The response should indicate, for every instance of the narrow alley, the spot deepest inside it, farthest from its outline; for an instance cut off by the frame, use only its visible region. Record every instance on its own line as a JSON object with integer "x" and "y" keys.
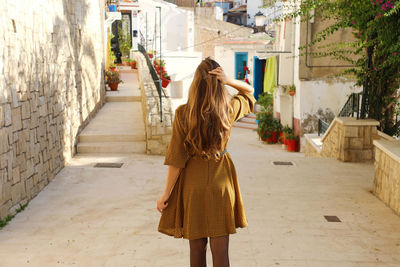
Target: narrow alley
{"x": 106, "y": 217}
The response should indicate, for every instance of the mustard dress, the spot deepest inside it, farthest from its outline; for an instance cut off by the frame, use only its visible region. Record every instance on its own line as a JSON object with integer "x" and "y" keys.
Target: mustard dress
{"x": 206, "y": 200}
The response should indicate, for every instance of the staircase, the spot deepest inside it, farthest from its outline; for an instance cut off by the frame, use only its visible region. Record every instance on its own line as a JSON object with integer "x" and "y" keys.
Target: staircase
{"x": 247, "y": 122}
{"x": 118, "y": 127}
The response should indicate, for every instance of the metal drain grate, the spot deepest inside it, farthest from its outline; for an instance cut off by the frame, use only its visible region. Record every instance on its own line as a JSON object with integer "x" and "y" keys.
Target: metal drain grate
{"x": 283, "y": 163}
{"x": 332, "y": 219}
{"x": 108, "y": 165}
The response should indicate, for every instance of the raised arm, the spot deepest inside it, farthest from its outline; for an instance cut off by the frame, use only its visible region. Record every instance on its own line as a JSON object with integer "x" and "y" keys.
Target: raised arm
{"x": 241, "y": 86}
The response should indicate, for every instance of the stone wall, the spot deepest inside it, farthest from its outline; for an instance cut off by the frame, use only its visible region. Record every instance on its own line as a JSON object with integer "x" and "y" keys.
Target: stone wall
{"x": 347, "y": 139}
{"x": 158, "y": 133}
{"x": 51, "y": 84}
{"x": 387, "y": 173}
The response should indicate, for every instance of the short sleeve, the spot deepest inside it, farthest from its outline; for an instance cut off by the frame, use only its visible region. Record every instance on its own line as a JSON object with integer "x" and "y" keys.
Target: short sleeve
{"x": 242, "y": 104}
{"x": 176, "y": 154}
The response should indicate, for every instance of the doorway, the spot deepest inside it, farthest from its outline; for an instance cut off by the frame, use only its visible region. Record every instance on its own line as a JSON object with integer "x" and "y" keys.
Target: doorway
{"x": 122, "y": 31}
{"x": 258, "y": 76}
{"x": 240, "y": 64}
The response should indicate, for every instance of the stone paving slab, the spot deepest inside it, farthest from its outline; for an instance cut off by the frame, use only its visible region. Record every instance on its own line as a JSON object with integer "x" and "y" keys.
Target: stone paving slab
{"x": 106, "y": 217}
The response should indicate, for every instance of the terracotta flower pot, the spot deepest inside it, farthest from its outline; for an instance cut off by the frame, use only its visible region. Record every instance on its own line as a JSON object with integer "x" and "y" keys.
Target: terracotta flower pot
{"x": 113, "y": 68}
{"x": 133, "y": 64}
{"x": 113, "y": 86}
{"x": 281, "y": 137}
{"x": 292, "y": 92}
{"x": 165, "y": 82}
{"x": 272, "y": 139}
{"x": 292, "y": 145}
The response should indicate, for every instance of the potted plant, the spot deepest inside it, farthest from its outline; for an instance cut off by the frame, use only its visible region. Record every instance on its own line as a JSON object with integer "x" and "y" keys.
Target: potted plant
{"x": 286, "y": 131}
{"x": 113, "y": 67}
{"x": 278, "y": 129}
{"x": 133, "y": 64}
{"x": 112, "y": 79}
{"x": 266, "y": 126}
{"x": 162, "y": 65}
{"x": 166, "y": 79}
{"x": 150, "y": 54}
{"x": 266, "y": 123}
{"x": 292, "y": 142}
{"x": 111, "y": 55}
{"x": 292, "y": 90}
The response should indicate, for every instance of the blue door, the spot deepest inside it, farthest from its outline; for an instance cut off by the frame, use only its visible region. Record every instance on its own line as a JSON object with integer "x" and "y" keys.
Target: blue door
{"x": 257, "y": 77}
{"x": 240, "y": 63}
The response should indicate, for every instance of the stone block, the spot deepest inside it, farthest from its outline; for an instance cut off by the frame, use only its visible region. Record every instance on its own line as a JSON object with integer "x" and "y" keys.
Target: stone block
{"x": 5, "y": 209}
{"x": 26, "y": 110}
{"x": 356, "y": 143}
{"x": 4, "y": 144}
{"x": 2, "y": 118}
{"x": 16, "y": 176}
{"x": 7, "y": 115}
{"x": 16, "y": 119}
{"x": 17, "y": 192}
{"x": 351, "y": 131}
{"x": 6, "y": 193}
{"x": 367, "y": 154}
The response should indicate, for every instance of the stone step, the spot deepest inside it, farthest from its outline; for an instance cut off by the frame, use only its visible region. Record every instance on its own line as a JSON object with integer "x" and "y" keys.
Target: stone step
{"x": 248, "y": 120}
{"x": 245, "y": 125}
{"x": 116, "y": 98}
{"x": 315, "y": 141}
{"x": 112, "y": 147}
{"x": 93, "y": 138}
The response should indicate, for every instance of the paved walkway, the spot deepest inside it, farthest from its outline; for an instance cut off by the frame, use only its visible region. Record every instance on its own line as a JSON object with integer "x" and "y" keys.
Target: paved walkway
{"x": 106, "y": 217}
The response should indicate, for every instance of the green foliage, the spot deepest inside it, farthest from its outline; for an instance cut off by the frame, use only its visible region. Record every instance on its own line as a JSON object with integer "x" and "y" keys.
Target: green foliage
{"x": 375, "y": 27}
{"x": 124, "y": 39}
{"x": 111, "y": 55}
{"x": 266, "y": 101}
{"x": 112, "y": 77}
{"x": 287, "y": 130}
{"x": 267, "y": 124}
{"x": 292, "y": 136}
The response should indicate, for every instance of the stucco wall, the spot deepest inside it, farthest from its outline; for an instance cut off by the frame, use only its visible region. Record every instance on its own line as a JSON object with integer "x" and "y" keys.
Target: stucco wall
{"x": 51, "y": 84}
{"x": 322, "y": 99}
{"x": 314, "y": 68}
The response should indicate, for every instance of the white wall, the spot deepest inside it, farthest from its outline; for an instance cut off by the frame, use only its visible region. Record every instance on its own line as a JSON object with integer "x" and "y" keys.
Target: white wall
{"x": 324, "y": 95}
{"x": 225, "y": 56}
{"x": 177, "y": 28}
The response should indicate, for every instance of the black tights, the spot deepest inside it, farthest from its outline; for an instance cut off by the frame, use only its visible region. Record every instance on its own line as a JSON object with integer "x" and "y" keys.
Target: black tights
{"x": 219, "y": 249}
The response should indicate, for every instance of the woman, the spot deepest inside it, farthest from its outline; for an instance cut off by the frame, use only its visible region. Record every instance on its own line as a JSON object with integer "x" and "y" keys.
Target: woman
{"x": 201, "y": 198}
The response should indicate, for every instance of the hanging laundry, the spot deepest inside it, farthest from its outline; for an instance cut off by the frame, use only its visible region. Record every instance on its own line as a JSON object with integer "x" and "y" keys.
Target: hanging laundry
{"x": 270, "y": 75}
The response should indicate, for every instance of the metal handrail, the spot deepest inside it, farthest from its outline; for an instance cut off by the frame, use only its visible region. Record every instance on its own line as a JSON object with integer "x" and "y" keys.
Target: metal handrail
{"x": 154, "y": 75}
{"x": 322, "y": 127}
{"x": 351, "y": 108}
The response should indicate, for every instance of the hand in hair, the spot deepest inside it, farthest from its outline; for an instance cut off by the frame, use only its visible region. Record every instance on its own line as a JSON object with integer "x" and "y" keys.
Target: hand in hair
{"x": 220, "y": 74}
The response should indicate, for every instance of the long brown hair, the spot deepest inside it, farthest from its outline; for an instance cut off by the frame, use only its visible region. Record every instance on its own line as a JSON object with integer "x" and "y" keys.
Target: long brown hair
{"x": 207, "y": 113}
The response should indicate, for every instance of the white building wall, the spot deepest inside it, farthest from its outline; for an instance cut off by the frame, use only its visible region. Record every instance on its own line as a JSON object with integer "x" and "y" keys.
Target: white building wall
{"x": 225, "y": 56}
